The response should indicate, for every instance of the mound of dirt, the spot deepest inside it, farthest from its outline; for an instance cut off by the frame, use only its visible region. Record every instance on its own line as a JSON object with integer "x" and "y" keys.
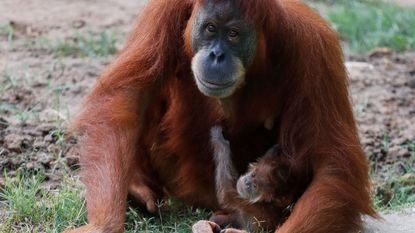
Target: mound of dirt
{"x": 383, "y": 91}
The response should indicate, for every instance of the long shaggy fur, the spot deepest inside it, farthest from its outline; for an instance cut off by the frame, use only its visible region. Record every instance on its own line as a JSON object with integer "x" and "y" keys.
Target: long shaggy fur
{"x": 145, "y": 118}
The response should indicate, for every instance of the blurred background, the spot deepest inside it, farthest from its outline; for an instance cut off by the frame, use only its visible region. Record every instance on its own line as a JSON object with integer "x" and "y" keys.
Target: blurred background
{"x": 51, "y": 52}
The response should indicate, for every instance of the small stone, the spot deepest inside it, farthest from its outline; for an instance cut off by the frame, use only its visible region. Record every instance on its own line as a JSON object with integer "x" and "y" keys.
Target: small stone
{"x": 354, "y": 66}
{"x": 54, "y": 149}
{"x": 14, "y": 142}
{"x": 408, "y": 179}
{"x": 380, "y": 52}
{"x": 78, "y": 24}
{"x": 48, "y": 138}
{"x": 30, "y": 166}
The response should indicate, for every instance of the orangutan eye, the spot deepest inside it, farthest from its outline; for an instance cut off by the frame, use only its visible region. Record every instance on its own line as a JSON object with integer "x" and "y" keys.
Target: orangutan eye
{"x": 211, "y": 28}
{"x": 233, "y": 34}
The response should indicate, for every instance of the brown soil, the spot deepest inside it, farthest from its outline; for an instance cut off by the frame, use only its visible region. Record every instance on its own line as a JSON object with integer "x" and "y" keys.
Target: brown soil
{"x": 40, "y": 90}
{"x": 383, "y": 90}
{"x": 406, "y": 2}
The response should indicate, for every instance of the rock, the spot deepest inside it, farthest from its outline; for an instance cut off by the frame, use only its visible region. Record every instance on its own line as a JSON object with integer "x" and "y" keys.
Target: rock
{"x": 380, "y": 52}
{"x": 408, "y": 179}
{"x": 78, "y": 24}
{"x": 14, "y": 142}
{"x": 54, "y": 149}
{"x": 51, "y": 115}
{"x": 354, "y": 66}
{"x": 30, "y": 166}
{"x": 49, "y": 138}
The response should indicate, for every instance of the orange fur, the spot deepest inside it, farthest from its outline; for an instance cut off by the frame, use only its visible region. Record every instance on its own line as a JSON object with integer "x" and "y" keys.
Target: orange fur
{"x": 146, "y": 117}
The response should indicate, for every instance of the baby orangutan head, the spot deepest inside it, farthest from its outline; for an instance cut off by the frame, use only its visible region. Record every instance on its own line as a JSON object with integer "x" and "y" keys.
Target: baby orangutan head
{"x": 267, "y": 180}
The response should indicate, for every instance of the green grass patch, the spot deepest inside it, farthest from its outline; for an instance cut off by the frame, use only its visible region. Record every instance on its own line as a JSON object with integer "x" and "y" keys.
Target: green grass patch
{"x": 79, "y": 45}
{"x": 367, "y": 24}
{"x": 7, "y": 30}
{"x": 27, "y": 207}
{"x": 173, "y": 217}
{"x": 396, "y": 192}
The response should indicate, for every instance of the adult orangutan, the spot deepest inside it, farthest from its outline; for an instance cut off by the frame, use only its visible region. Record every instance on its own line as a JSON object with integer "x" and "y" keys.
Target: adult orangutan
{"x": 268, "y": 71}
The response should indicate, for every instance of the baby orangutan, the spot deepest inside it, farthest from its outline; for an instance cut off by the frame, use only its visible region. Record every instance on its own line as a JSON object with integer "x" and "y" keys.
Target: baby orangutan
{"x": 258, "y": 197}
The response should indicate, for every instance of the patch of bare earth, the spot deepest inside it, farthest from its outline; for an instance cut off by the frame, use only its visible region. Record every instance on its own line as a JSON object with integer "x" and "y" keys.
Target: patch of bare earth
{"x": 40, "y": 89}
{"x": 383, "y": 90}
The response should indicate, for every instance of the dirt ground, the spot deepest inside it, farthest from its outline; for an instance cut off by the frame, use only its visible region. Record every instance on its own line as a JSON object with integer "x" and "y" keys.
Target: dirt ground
{"x": 406, "y": 2}
{"x": 41, "y": 90}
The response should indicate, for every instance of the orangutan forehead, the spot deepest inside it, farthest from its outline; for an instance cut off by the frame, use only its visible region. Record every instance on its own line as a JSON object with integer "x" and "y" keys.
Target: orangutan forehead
{"x": 223, "y": 10}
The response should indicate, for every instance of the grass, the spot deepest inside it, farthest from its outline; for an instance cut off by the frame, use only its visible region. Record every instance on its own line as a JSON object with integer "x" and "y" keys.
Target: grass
{"x": 393, "y": 193}
{"x": 81, "y": 45}
{"x": 397, "y": 193}
{"x": 368, "y": 24}
{"x": 27, "y": 207}
{"x": 7, "y": 30}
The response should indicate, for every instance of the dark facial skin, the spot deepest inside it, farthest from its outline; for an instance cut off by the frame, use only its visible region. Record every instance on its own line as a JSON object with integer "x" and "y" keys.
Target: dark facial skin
{"x": 224, "y": 45}
{"x": 266, "y": 179}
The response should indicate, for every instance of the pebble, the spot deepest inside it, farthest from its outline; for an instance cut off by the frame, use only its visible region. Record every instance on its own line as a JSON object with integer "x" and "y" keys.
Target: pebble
{"x": 380, "y": 52}
{"x": 409, "y": 179}
{"x": 14, "y": 142}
